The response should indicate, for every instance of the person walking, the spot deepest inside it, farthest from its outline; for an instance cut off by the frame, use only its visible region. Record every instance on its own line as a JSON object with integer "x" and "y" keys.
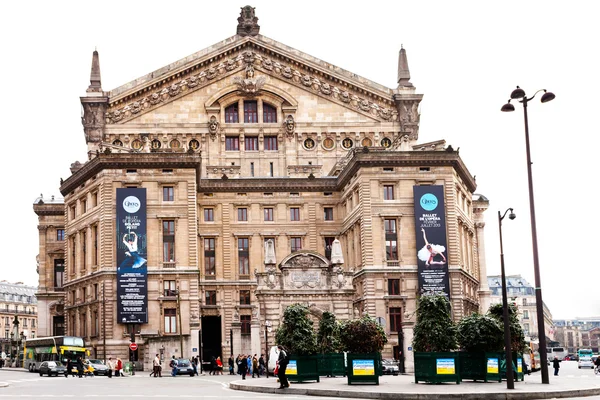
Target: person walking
{"x": 155, "y": 364}
{"x": 79, "y": 367}
{"x": 173, "y": 366}
{"x": 261, "y": 365}
{"x": 111, "y": 366}
{"x": 249, "y": 361}
{"x": 282, "y": 361}
{"x": 556, "y": 366}
{"x": 230, "y": 362}
{"x": 255, "y": 370}
{"x": 219, "y": 366}
{"x": 213, "y": 366}
{"x": 69, "y": 368}
{"x": 119, "y": 368}
{"x": 243, "y": 367}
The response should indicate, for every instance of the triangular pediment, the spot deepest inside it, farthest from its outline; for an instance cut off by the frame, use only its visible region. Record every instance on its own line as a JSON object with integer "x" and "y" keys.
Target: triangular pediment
{"x": 267, "y": 57}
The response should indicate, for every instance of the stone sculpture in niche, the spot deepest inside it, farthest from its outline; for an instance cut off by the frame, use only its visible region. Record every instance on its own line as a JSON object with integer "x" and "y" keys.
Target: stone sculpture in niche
{"x": 270, "y": 252}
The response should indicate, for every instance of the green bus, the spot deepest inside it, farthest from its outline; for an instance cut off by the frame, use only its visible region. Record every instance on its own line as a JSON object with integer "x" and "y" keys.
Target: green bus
{"x": 52, "y": 348}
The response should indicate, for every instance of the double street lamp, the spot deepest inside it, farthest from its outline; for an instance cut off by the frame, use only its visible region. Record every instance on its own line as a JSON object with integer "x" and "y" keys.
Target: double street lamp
{"x": 510, "y": 383}
{"x": 519, "y": 94}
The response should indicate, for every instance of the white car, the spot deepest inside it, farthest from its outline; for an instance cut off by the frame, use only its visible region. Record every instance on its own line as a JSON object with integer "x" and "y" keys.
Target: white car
{"x": 585, "y": 362}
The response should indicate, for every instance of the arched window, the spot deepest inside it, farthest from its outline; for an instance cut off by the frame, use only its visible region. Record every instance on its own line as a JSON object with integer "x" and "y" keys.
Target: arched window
{"x": 269, "y": 114}
{"x": 231, "y": 114}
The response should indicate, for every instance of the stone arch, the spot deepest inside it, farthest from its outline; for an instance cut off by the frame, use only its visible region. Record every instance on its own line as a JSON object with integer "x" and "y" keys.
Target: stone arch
{"x": 268, "y": 90}
{"x": 304, "y": 259}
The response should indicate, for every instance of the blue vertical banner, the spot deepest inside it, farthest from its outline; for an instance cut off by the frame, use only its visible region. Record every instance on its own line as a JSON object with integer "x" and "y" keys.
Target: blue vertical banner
{"x": 430, "y": 227}
{"x": 132, "y": 266}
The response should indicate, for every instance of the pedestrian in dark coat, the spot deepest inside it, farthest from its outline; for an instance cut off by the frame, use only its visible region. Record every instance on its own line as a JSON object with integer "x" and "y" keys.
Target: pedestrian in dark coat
{"x": 556, "y": 365}
{"x": 243, "y": 366}
{"x": 79, "y": 367}
{"x": 282, "y": 362}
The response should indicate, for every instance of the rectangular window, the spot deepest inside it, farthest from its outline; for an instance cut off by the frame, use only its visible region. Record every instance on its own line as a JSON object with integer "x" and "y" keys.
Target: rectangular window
{"x": 395, "y": 319}
{"x": 268, "y": 214}
{"x": 328, "y": 244}
{"x": 232, "y": 143}
{"x": 210, "y": 298}
{"x": 525, "y": 314}
{"x": 271, "y": 143}
{"x": 170, "y": 320}
{"x": 251, "y": 143}
{"x": 294, "y": 214}
{"x": 271, "y": 169}
{"x": 209, "y": 215}
{"x": 295, "y": 244}
{"x": 245, "y": 297}
{"x": 95, "y": 291}
{"x": 245, "y": 324}
{"x": 168, "y": 241}
{"x": 169, "y": 288}
{"x": 60, "y": 235}
{"x": 388, "y": 192}
{"x": 168, "y": 193}
{"x": 250, "y": 112}
{"x": 394, "y": 287}
{"x": 94, "y": 199}
{"x": 59, "y": 273}
{"x": 95, "y": 245}
{"x": 391, "y": 239}
{"x": 243, "y": 256}
{"x": 251, "y": 169}
{"x": 328, "y": 213}
{"x": 83, "y": 206}
{"x": 231, "y": 114}
{"x": 242, "y": 214}
{"x": 209, "y": 257}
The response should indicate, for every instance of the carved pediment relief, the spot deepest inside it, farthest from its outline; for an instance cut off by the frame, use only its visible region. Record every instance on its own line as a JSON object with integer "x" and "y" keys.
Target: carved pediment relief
{"x": 251, "y": 68}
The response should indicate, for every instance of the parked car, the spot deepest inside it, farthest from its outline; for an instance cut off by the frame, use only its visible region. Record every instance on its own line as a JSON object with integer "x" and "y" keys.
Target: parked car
{"x": 184, "y": 367}
{"x": 51, "y": 368}
{"x": 390, "y": 367}
{"x": 98, "y": 366}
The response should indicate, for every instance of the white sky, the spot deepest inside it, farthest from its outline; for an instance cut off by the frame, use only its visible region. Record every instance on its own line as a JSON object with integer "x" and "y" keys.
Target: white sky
{"x": 464, "y": 56}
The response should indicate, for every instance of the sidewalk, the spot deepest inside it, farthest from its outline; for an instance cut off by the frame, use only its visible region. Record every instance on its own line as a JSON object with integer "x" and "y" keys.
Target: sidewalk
{"x": 403, "y": 387}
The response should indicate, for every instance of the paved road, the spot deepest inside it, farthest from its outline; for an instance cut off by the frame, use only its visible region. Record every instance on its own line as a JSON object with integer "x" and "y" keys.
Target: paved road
{"x": 24, "y": 385}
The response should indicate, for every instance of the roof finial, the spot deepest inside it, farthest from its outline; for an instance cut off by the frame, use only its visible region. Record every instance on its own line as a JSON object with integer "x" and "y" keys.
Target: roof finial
{"x": 247, "y": 22}
{"x": 403, "y": 71}
{"x": 95, "y": 84}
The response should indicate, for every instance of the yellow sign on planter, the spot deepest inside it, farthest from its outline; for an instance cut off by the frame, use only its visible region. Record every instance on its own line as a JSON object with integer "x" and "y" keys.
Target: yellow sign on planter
{"x": 492, "y": 366}
{"x": 519, "y": 365}
{"x": 363, "y": 367}
{"x": 292, "y": 368}
{"x": 445, "y": 366}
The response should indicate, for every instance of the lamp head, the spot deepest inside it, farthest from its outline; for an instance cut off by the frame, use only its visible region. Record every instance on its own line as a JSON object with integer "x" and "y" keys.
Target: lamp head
{"x": 547, "y": 96}
{"x": 507, "y": 107}
{"x": 518, "y": 93}
{"x": 512, "y": 215}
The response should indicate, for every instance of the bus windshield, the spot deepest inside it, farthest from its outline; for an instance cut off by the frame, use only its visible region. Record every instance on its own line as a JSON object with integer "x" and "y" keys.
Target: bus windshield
{"x": 585, "y": 353}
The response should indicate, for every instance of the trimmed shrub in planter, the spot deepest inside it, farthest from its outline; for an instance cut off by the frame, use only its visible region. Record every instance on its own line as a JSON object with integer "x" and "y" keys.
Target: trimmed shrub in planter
{"x": 517, "y": 337}
{"x": 434, "y": 339}
{"x": 363, "y": 339}
{"x": 331, "y": 360}
{"x": 481, "y": 338}
{"x": 297, "y": 335}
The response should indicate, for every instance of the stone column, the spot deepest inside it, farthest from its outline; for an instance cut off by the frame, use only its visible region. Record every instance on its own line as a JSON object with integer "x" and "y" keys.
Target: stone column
{"x": 409, "y": 359}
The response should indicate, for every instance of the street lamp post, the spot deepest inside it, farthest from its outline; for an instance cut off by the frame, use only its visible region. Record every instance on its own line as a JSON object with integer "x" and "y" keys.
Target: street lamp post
{"x": 519, "y": 93}
{"x": 510, "y": 383}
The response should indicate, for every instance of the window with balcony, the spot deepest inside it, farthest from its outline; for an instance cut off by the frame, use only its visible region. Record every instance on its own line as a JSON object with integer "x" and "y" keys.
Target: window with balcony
{"x": 395, "y": 319}
{"x": 169, "y": 288}
{"x": 391, "y": 239}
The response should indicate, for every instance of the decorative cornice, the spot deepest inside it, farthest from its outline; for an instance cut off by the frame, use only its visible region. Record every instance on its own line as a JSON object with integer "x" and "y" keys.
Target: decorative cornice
{"x": 319, "y": 82}
{"x": 128, "y": 161}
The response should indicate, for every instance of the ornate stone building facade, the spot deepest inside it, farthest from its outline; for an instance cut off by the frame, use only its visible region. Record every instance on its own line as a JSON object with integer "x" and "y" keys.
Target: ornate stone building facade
{"x": 18, "y": 317}
{"x": 255, "y": 158}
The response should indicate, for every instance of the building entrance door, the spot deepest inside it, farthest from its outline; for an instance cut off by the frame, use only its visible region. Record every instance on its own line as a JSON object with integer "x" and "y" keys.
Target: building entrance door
{"x": 211, "y": 338}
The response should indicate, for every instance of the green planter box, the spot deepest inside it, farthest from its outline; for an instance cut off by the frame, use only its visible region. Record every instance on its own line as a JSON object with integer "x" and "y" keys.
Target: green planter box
{"x": 480, "y": 366}
{"x": 363, "y": 368}
{"x": 303, "y": 368}
{"x": 437, "y": 367}
{"x": 332, "y": 364}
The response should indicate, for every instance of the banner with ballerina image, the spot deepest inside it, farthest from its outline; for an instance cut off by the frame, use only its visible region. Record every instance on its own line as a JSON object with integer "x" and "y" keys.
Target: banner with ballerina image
{"x": 132, "y": 267}
{"x": 430, "y": 229}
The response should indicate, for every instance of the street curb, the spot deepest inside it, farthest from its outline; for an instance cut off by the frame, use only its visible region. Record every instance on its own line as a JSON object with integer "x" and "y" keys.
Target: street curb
{"x": 14, "y": 369}
{"x": 4, "y": 384}
{"x": 420, "y": 396}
